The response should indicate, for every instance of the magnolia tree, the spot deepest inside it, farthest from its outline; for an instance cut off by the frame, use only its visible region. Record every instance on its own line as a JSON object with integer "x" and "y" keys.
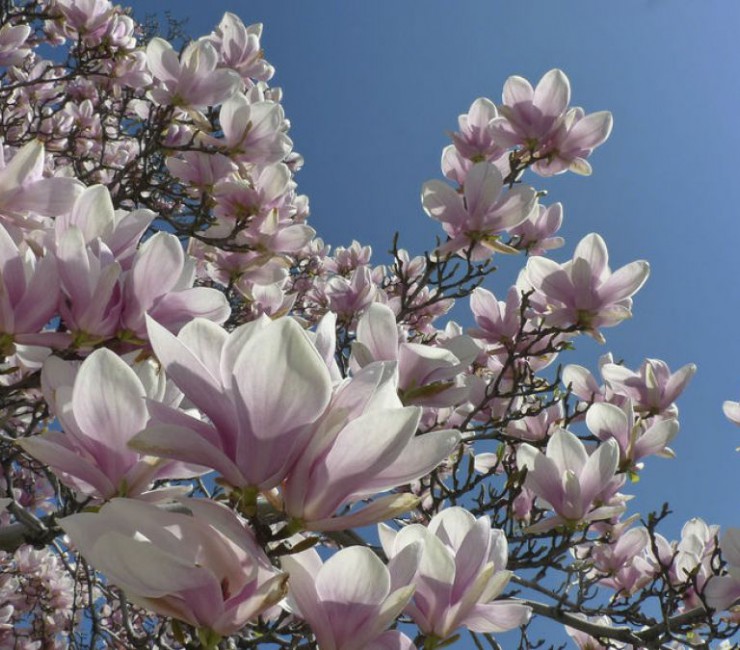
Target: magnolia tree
{"x": 217, "y": 432}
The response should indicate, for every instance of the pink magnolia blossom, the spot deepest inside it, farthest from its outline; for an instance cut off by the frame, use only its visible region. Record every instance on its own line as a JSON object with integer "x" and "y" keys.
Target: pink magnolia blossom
{"x": 653, "y": 388}
{"x": 364, "y": 444}
{"x": 29, "y": 293}
{"x": 722, "y": 592}
{"x": 192, "y": 79}
{"x": 253, "y": 131}
{"x": 636, "y": 439}
{"x": 475, "y": 140}
{"x": 584, "y": 292}
{"x": 13, "y": 48}
{"x": 160, "y": 284}
{"x": 427, "y": 375}
{"x": 351, "y": 599}
{"x": 203, "y": 567}
{"x": 535, "y": 234}
{"x": 462, "y": 572}
{"x": 578, "y": 487}
{"x": 23, "y": 187}
{"x": 246, "y": 383}
{"x": 475, "y": 220}
{"x": 691, "y": 562}
{"x": 100, "y": 408}
{"x": 239, "y": 48}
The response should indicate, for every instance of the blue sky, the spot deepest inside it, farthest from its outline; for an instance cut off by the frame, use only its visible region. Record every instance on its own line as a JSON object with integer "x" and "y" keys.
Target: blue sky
{"x": 371, "y": 89}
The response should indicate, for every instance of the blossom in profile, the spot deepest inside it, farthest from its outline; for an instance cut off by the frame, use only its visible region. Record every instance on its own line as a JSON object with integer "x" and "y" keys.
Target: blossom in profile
{"x": 476, "y": 219}
{"x": 192, "y": 79}
{"x": 202, "y": 566}
{"x": 364, "y": 444}
{"x": 352, "y": 599}
{"x": 100, "y": 407}
{"x": 584, "y": 292}
{"x": 578, "y": 487}
{"x": 461, "y": 574}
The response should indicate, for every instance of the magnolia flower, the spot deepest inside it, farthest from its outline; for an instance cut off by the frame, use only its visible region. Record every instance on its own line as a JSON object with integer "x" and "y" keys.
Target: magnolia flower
{"x": 364, "y": 444}
{"x": 239, "y": 48}
{"x": 100, "y": 407}
{"x": 192, "y": 79}
{"x": 722, "y": 592}
{"x": 203, "y": 567}
{"x": 475, "y": 220}
{"x": 653, "y": 388}
{"x": 350, "y": 600}
{"x": 427, "y": 375}
{"x": 261, "y": 386}
{"x": 462, "y": 572}
{"x": 584, "y": 292}
{"x": 636, "y": 439}
{"x": 23, "y": 187}
{"x": 575, "y": 485}
{"x": 475, "y": 140}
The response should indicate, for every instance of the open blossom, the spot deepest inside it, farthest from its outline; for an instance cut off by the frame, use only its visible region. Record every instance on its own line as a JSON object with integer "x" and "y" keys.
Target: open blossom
{"x": 462, "y": 572}
{"x": 239, "y": 48}
{"x": 578, "y": 487}
{"x": 23, "y": 187}
{"x": 100, "y": 407}
{"x": 475, "y": 140}
{"x": 535, "y": 233}
{"x": 653, "y": 388}
{"x": 203, "y": 567}
{"x": 258, "y": 427}
{"x": 636, "y": 439}
{"x": 364, "y": 444}
{"x": 351, "y": 599}
{"x": 427, "y": 375}
{"x": 475, "y": 220}
{"x": 538, "y": 120}
{"x": 723, "y": 591}
{"x": 584, "y": 292}
{"x": 191, "y": 79}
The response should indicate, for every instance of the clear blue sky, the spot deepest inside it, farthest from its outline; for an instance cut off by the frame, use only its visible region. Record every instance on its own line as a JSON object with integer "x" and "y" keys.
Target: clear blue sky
{"x": 372, "y": 87}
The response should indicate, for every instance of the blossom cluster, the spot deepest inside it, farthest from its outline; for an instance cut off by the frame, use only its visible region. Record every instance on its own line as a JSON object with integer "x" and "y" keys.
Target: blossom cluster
{"x": 205, "y": 406}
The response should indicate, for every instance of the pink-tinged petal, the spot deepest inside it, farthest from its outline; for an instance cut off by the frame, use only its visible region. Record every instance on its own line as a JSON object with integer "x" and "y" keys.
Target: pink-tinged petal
{"x": 162, "y": 60}
{"x": 177, "y": 309}
{"x": 281, "y": 350}
{"x": 732, "y": 411}
{"x": 471, "y": 558}
{"x": 303, "y": 569}
{"x": 730, "y": 545}
{"x": 514, "y": 207}
{"x": 377, "y": 330}
{"x": 517, "y": 89}
{"x": 354, "y": 575}
{"x": 599, "y": 470}
{"x": 581, "y": 381}
{"x": 404, "y": 565}
{"x": 590, "y": 131}
{"x": 40, "y": 300}
{"x": 253, "y": 603}
{"x": 592, "y": 249}
{"x": 678, "y": 382}
{"x": 552, "y": 94}
{"x": 205, "y": 340}
{"x": 194, "y": 378}
{"x": 93, "y": 213}
{"x": 421, "y": 455}
{"x": 382, "y": 509}
{"x": 178, "y": 443}
{"x": 721, "y": 592}
{"x": 544, "y": 478}
{"x": 156, "y": 268}
{"x": 108, "y": 402}
{"x": 483, "y": 185}
{"x": 27, "y": 164}
{"x": 567, "y": 451}
{"x": 656, "y": 438}
{"x": 216, "y": 88}
{"x": 452, "y": 526}
{"x": 442, "y": 203}
{"x": 497, "y": 617}
{"x": 48, "y": 196}
{"x": 607, "y": 421}
{"x": 391, "y": 640}
{"x": 550, "y": 278}
{"x": 626, "y": 281}
{"x": 61, "y": 459}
